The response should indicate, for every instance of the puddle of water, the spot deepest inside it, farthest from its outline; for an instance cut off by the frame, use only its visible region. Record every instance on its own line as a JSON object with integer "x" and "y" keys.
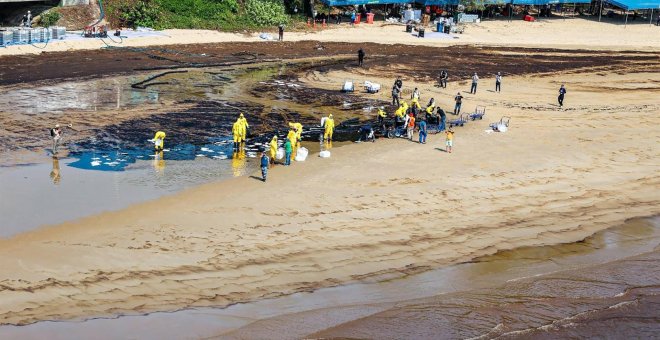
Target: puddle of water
{"x": 331, "y": 306}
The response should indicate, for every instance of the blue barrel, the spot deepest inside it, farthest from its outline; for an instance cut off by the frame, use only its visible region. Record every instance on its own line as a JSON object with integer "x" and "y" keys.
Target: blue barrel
{"x": 439, "y": 27}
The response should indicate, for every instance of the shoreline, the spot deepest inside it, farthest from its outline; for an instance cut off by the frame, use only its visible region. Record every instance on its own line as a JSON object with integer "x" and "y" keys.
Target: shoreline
{"x": 362, "y": 301}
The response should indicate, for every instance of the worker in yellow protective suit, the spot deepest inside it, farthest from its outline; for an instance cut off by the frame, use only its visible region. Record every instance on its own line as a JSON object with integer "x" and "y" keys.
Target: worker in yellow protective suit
{"x": 159, "y": 141}
{"x": 415, "y": 104}
{"x": 401, "y": 111}
{"x": 292, "y": 137}
{"x": 381, "y": 116}
{"x": 244, "y": 127}
{"x": 273, "y": 149}
{"x": 298, "y": 129}
{"x": 236, "y": 130}
{"x": 329, "y": 128}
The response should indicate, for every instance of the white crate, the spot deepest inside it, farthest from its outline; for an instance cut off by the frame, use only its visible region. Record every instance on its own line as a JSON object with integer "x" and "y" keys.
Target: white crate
{"x": 21, "y": 36}
{"x": 57, "y": 32}
{"x": 6, "y": 37}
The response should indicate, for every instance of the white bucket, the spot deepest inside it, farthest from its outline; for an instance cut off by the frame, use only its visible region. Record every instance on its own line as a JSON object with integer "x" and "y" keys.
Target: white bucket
{"x": 301, "y": 154}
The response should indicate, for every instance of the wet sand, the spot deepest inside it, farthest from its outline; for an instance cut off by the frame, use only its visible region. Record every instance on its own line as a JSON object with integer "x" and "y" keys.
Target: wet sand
{"x": 557, "y": 176}
{"x": 299, "y": 315}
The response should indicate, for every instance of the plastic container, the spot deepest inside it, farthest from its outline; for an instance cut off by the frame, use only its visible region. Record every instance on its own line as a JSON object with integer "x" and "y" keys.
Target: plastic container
{"x": 6, "y": 37}
{"x": 280, "y": 153}
{"x": 357, "y": 18}
{"x": 301, "y": 154}
{"x": 21, "y": 36}
{"x": 370, "y": 18}
{"x": 39, "y": 35}
{"x": 324, "y": 154}
{"x": 57, "y": 32}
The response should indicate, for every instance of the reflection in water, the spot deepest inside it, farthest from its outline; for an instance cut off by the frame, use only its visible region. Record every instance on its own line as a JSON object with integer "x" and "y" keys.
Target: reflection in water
{"x": 159, "y": 163}
{"x": 238, "y": 162}
{"x": 55, "y": 173}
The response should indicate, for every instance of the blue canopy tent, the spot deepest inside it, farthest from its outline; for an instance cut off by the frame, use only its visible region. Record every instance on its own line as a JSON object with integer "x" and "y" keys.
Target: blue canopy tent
{"x": 364, "y": 2}
{"x": 631, "y": 5}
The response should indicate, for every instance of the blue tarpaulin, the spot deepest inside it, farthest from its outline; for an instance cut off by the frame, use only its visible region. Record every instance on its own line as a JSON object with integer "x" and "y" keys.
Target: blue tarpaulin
{"x": 635, "y": 4}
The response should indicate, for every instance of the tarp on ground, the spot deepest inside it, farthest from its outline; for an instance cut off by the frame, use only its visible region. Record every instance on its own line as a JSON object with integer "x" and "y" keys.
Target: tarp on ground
{"x": 364, "y": 2}
{"x": 635, "y": 4}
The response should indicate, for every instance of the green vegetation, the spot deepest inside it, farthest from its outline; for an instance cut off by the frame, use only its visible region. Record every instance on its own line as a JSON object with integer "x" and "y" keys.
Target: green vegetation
{"x": 49, "y": 18}
{"x": 203, "y": 14}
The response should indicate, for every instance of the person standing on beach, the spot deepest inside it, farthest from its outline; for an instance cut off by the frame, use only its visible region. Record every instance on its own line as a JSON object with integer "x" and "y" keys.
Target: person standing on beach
{"x": 56, "y": 135}
{"x": 475, "y": 80}
{"x": 273, "y": 149}
{"x": 236, "y": 133}
{"x": 264, "y": 165}
{"x": 498, "y": 82}
{"x": 396, "y": 93}
{"x": 244, "y": 126}
{"x": 415, "y": 95}
{"x": 353, "y": 18}
{"x": 444, "y": 75}
{"x": 288, "y": 149}
{"x": 360, "y": 57}
{"x": 280, "y": 30}
{"x": 459, "y": 101}
{"x": 422, "y": 131}
{"x": 328, "y": 128}
{"x": 562, "y": 92}
{"x": 449, "y": 141}
{"x": 411, "y": 127}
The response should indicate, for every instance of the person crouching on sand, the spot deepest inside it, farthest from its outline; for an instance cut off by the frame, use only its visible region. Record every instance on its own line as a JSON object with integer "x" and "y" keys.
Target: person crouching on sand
{"x": 449, "y": 141}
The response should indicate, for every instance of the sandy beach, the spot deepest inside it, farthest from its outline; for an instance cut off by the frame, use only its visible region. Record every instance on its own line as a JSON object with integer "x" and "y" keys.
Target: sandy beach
{"x": 547, "y": 33}
{"x": 372, "y": 211}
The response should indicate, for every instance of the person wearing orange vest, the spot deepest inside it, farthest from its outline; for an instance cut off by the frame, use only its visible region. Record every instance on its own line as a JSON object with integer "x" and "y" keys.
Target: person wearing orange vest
{"x": 411, "y": 127}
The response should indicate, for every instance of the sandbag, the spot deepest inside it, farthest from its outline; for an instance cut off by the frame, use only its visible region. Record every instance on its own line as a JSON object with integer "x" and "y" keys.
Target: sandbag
{"x": 301, "y": 154}
{"x": 280, "y": 153}
{"x": 502, "y": 127}
{"x": 324, "y": 154}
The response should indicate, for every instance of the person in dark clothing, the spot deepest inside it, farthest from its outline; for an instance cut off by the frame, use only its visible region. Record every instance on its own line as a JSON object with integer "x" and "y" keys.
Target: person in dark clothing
{"x": 443, "y": 120}
{"x": 443, "y": 78}
{"x": 459, "y": 101}
{"x": 562, "y": 92}
{"x": 280, "y": 29}
{"x": 498, "y": 82}
{"x": 360, "y": 57}
{"x": 396, "y": 93}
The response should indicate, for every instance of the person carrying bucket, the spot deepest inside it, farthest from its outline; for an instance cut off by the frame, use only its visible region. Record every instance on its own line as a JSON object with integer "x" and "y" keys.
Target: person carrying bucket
{"x": 159, "y": 141}
{"x": 329, "y": 128}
